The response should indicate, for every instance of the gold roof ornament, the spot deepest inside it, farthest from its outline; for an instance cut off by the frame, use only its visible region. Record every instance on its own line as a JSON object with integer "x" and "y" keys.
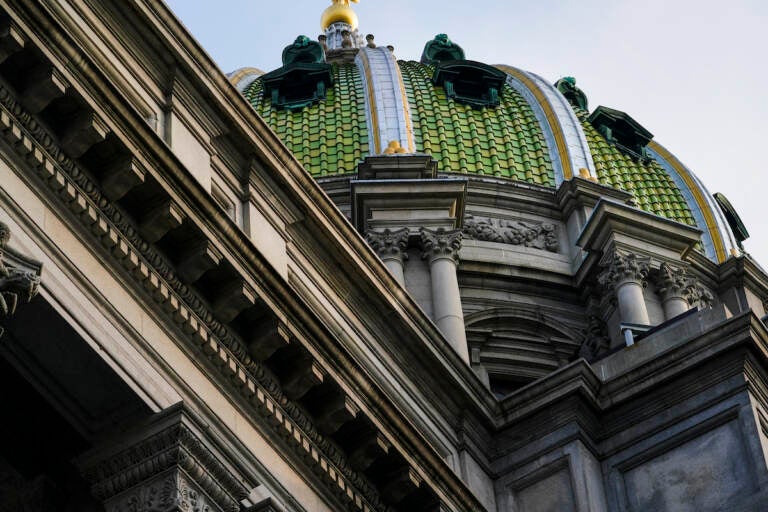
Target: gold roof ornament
{"x": 339, "y": 12}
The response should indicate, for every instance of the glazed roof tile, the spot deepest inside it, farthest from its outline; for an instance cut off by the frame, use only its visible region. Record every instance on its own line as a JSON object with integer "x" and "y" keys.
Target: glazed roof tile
{"x": 505, "y": 141}
{"x": 329, "y": 137}
{"x": 653, "y": 189}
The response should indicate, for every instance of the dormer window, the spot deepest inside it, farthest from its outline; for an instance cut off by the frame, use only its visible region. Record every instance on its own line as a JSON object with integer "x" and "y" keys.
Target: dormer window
{"x": 304, "y": 78}
{"x": 622, "y": 131}
{"x": 473, "y": 83}
{"x": 466, "y": 81}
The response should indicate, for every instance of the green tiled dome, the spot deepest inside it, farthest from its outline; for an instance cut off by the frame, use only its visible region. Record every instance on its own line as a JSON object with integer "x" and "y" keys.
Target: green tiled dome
{"x": 525, "y": 129}
{"x": 505, "y": 141}
{"x": 654, "y": 190}
{"x": 329, "y": 137}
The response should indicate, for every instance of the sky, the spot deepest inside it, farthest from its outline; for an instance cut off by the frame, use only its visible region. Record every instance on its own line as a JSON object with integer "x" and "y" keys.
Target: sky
{"x": 694, "y": 73}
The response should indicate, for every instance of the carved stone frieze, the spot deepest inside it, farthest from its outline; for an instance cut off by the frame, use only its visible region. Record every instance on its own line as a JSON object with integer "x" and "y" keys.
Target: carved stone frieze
{"x": 622, "y": 267}
{"x": 515, "y": 232}
{"x": 17, "y": 285}
{"x": 440, "y": 243}
{"x": 388, "y": 243}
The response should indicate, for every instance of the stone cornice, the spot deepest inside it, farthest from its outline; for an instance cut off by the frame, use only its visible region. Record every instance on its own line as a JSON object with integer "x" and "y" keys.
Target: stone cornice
{"x": 702, "y": 345}
{"x": 616, "y": 223}
{"x": 184, "y": 308}
{"x": 744, "y": 271}
{"x": 579, "y": 192}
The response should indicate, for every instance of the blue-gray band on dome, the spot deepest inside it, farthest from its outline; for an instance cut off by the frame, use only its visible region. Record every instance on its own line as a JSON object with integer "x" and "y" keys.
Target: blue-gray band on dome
{"x": 571, "y": 153}
{"x": 388, "y": 112}
{"x": 725, "y": 235}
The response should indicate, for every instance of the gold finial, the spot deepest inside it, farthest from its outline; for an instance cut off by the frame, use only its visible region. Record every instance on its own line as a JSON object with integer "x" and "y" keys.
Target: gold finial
{"x": 339, "y": 11}
{"x": 394, "y": 148}
{"x": 584, "y": 173}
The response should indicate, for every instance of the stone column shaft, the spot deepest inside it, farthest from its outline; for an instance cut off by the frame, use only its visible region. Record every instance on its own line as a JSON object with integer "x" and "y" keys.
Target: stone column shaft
{"x": 632, "y": 309}
{"x": 441, "y": 247}
{"x": 625, "y": 274}
{"x": 673, "y": 283}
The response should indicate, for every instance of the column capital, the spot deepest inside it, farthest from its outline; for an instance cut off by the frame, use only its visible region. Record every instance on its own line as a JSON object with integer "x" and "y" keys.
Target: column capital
{"x": 166, "y": 465}
{"x": 623, "y": 267}
{"x": 19, "y": 276}
{"x": 389, "y": 244}
{"x": 672, "y": 281}
{"x": 440, "y": 243}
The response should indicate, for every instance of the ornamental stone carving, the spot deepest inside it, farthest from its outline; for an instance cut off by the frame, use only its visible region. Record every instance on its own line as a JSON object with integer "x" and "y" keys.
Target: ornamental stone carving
{"x": 389, "y": 244}
{"x": 440, "y": 243}
{"x": 166, "y": 467}
{"x": 596, "y": 340}
{"x": 672, "y": 281}
{"x": 623, "y": 281}
{"x": 17, "y": 285}
{"x": 622, "y": 267}
{"x": 537, "y": 236}
{"x": 170, "y": 493}
{"x": 699, "y": 296}
{"x": 675, "y": 283}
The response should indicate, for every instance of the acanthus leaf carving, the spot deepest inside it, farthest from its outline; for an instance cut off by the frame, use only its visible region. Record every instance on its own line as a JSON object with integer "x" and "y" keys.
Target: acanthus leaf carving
{"x": 699, "y": 295}
{"x": 622, "y": 267}
{"x": 440, "y": 243}
{"x": 388, "y": 243}
{"x": 16, "y": 285}
{"x": 170, "y": 493}
{"x": 541, "y": 236}
{"x": 673, "y": 281}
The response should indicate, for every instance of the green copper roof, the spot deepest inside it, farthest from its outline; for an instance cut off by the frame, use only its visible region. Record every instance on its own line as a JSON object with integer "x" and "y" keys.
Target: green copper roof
{"x": 329, "y": 137}
{"x": 654, "y": 190}
{"x": 505, "y": 141}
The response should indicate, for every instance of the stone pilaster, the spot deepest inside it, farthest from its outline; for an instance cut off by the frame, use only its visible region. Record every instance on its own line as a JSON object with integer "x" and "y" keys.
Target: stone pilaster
{"x": 441, "y": 248}
{"x": 625, "y": 276}
{"x": 164, "y": 466}
{"x": 673, "y": 286}
{"x": 19, "y": 276}
{"x": 391, "y": 247}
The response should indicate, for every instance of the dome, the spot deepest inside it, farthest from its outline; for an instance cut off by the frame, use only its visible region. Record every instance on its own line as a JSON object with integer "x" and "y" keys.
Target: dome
{"x": 482, "y": 121}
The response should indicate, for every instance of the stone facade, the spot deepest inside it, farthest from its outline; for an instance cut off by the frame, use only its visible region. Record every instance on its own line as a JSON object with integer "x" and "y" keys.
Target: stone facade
{"x": 190, "y": 324}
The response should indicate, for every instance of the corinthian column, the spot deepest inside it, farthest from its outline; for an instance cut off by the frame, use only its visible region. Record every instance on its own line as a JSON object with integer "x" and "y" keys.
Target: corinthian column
{"x": 391, "y": 247}
{"x": 673, "y": 285}
{"x": 441, "y": 248}
{"x": 625, "y": 275}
